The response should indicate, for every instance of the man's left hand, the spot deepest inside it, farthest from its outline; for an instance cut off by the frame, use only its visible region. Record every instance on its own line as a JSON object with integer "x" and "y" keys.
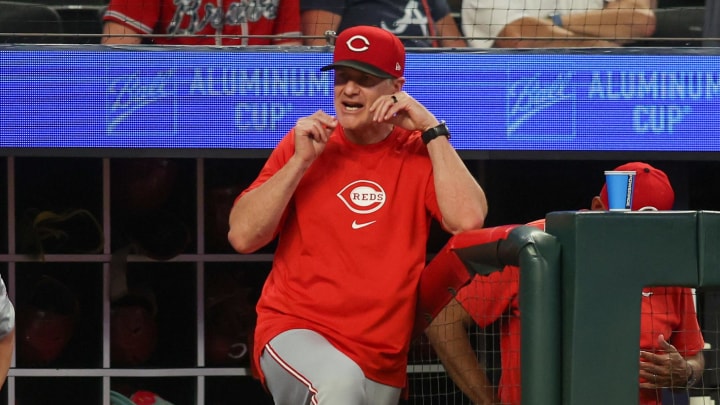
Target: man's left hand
{"x": 667, "y": 369}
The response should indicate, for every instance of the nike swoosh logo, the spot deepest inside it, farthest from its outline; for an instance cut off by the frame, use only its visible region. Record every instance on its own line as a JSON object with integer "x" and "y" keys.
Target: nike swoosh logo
{"x": 647, "y": 294}
{"x": 355, "y": 225}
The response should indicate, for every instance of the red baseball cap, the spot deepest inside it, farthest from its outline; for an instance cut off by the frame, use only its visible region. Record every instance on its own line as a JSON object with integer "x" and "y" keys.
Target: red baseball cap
{"x": 371, "y": 50}
{"x": 652, "y": 188}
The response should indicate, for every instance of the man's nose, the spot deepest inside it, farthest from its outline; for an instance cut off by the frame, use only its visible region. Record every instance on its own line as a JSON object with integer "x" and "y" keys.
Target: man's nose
{"x": 351, "y": 87}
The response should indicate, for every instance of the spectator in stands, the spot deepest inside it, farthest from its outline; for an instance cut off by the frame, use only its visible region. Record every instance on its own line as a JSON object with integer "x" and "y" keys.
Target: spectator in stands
{"x": 557, "y": 23}
{"x": 404, "y": 18}
{"x": 671, "y": 342}
{"x": 202, "y": 22}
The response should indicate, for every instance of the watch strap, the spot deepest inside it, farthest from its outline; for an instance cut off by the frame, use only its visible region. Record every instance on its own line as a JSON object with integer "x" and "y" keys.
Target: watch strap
{"x": 432, "y": 133}
{"x": 556, "y": 19}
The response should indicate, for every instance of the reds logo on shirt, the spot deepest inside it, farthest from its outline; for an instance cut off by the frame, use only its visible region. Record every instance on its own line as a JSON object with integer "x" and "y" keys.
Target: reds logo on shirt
{"x": 363, "y": 196}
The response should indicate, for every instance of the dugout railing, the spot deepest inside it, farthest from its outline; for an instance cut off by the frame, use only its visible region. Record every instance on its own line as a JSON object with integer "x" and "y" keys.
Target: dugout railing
{"x": 538, "y": 255}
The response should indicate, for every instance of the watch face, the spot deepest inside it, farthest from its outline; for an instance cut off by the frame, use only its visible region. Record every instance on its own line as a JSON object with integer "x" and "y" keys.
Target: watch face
{"x": 442, "y": 129}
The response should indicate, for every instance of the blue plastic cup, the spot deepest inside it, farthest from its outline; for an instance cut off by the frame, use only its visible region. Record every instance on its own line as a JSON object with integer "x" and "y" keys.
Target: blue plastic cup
{"x": 620, "y": 188}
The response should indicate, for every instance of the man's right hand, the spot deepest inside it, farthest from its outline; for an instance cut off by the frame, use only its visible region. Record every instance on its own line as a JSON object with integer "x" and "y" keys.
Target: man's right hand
{"x": 312, "y": 134}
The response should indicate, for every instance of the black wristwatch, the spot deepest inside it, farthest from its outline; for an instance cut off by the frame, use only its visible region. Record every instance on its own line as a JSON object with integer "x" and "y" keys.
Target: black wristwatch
{"x": 434, "y": 132}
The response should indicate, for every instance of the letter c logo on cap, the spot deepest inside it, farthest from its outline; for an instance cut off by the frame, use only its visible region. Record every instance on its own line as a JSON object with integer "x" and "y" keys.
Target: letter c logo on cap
{"x": 364, "y": 47}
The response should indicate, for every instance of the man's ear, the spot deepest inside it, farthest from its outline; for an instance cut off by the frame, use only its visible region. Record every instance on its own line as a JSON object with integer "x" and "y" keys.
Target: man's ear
{"x": 597, "y": 204}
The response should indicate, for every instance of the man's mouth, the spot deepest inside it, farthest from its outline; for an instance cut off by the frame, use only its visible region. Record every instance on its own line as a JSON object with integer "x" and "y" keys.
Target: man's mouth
{"x": 352, "y": 106}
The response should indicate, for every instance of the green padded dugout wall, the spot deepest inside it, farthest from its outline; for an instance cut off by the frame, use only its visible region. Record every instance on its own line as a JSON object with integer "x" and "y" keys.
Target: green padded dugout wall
{"x": 606, "y": 259}
{"x": 540, "y": 290}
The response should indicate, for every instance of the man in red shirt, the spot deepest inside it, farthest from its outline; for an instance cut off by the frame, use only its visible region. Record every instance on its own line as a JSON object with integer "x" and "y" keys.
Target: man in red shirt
{"x": 202, "y": 22}
{"x": 351, "y": 199}
{"x": 671, "y": 342}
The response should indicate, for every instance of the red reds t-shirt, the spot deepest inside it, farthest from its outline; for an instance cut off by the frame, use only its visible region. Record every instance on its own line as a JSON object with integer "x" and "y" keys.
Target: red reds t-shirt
{"x": 351, "y": 249}
{"x": 669, "y": 311}
{"x": 665, "y": 310}
{"x": 199, "y": 22}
